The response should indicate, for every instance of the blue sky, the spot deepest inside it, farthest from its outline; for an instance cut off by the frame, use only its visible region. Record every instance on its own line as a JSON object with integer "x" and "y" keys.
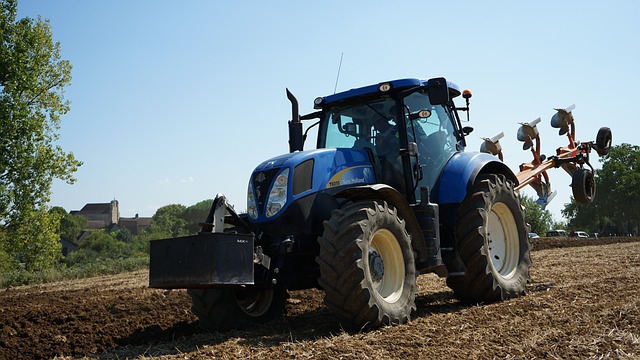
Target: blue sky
{"x": 174, "y": 102}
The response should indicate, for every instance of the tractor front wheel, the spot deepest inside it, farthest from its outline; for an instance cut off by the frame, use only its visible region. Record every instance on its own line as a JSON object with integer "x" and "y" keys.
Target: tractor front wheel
{"x": 493, "y": 243}
{"x": 226, "y": 309}
{"x": 367, "y": 266}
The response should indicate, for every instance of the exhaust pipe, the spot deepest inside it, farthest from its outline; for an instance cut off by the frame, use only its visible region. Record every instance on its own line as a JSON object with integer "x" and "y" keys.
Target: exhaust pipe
{"x": 296, "y": 142}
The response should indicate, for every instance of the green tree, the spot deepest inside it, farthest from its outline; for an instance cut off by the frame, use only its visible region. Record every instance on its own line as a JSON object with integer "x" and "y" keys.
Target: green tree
{"x": 172, "y": 221}
{"x": 98, "y": 246}
{"x": 195, "y": 215}
{"x": 621, "y": 173}
{"x": 32, "y": 83}
{"x": 540, "y": 220}
{"x": 70, "y": 225}
{"x": 34, "y": 240}
{"x": 122, "y": 234}
{"x": 587, "y": 217}
{"x": 168, "y": 222}
{"x": 7, "y": 262}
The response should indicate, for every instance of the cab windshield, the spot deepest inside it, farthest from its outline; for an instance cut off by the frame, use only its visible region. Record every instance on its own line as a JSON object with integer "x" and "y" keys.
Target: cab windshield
{"x": 374, "y": 125}
{"x": 355, "y": 125}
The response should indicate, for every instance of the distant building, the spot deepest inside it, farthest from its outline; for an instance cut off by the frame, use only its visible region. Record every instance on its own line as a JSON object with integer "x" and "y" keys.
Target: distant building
{"x": 135, "y": 224}
{"x": 105, "y": 216}
{"x": 100, "y": 216}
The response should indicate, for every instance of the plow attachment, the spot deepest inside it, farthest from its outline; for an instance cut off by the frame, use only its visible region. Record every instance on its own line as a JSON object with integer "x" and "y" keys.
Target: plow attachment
{"x": 572, "y": 158}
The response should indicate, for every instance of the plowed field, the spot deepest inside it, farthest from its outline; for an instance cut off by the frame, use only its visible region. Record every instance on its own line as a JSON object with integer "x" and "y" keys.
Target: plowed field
{"x": 583, "y": 302}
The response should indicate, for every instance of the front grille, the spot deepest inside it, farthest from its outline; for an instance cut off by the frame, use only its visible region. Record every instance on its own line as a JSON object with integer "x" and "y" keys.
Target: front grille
{"x": 302, "y": 176}
{"x": 261, "y": 182}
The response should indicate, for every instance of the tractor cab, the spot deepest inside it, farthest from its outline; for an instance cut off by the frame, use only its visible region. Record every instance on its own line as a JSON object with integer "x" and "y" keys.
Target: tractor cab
{"x": 410, "y": 128}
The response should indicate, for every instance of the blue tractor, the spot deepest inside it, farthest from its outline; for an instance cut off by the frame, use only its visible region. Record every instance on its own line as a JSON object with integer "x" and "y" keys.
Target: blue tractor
{"x": 388, "y": 194}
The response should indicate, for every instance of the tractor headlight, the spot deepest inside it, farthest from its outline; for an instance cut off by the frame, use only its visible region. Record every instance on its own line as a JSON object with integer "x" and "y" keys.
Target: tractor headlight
{"x": 252, "y": 209}
{"x": 278, "y": 193}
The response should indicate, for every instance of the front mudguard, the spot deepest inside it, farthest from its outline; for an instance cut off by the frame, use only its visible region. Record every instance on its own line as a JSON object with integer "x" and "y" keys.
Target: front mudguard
{"x": 421, "y": 221}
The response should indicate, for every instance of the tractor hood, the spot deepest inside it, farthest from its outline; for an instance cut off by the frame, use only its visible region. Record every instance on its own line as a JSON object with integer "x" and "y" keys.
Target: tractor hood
{"x": 280, "y": 181}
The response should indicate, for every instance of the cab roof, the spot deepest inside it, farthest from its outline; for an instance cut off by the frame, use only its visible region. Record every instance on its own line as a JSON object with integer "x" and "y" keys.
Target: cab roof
{"x": 454, "y": 90}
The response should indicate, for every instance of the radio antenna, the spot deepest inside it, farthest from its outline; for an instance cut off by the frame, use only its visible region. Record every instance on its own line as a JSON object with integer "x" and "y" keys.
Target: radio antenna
{"x": 338, "y": 76}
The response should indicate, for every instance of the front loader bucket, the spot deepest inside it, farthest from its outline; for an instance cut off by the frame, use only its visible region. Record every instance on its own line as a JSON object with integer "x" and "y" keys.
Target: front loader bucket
{"x": 203, "y": 260}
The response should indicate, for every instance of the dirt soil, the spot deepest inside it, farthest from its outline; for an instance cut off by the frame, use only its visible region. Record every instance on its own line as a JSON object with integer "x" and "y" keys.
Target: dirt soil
{"x": 583, "y": 302}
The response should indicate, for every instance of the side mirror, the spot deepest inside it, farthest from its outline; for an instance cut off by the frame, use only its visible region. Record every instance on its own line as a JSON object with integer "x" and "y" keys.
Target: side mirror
{"x": 438, "y": 91}
{"x": 349, "y": 129}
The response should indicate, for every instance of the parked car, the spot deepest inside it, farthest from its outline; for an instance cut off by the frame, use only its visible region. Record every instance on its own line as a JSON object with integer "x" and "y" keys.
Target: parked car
{"x": 579, "y": 234}
{"x": 556, "y": 233}
{"x": 533, "y": 236}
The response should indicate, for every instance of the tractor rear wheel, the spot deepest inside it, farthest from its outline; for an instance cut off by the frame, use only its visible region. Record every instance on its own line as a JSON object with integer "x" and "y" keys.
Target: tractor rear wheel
{"x": 493, "y": 243}
{"x": 367, "y": 266}
{"x": 226, "y": 309}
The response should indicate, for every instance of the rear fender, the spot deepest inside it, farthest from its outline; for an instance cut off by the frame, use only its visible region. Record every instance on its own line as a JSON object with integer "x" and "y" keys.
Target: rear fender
{"x": 461, "y": 172}
{"x": 454, "y": 184}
